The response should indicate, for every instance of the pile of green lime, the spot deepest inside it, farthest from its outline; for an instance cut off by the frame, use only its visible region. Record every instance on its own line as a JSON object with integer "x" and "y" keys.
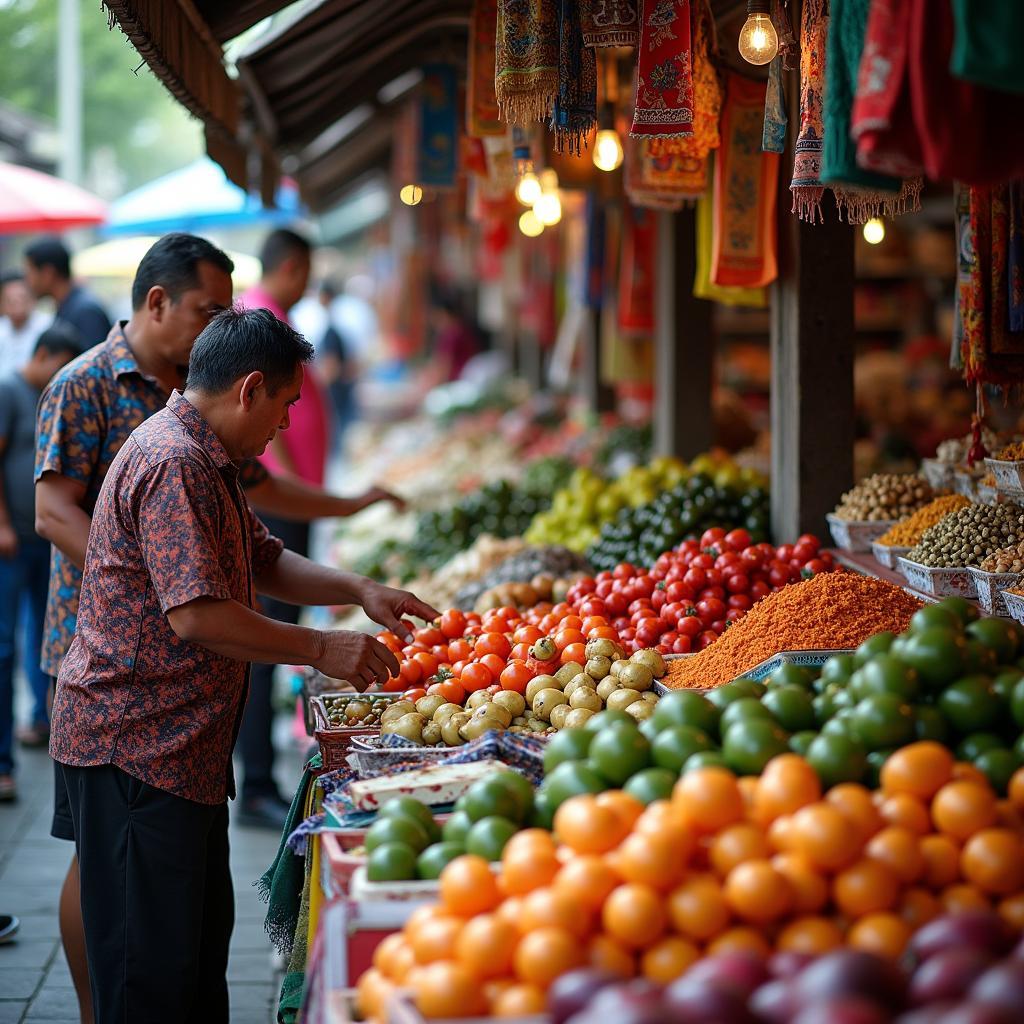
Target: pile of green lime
{"x": 405, "y": 843}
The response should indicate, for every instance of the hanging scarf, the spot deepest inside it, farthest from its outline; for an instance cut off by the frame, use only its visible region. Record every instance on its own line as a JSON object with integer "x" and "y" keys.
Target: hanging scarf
{"x": 660, "y": 179}
{"x": 966, "y": 257}
{"x": 609, "y": 22}
{"x": 986, "y": 43}
{"x": 806, "y": 185}
{"x": 1015, "y": 270}
{"x": 745, "y": 182}
{"x": 482, "y": 117}
{"x": 636, "y": 273}
{"x": 664, "y": 85}
{"x": 773, "y": 135}
{"x": 526, "y": 59}
{"x": 703, "y": 288}
{"x": 881, "y": 122}
{"x": 438, "y": 127}
{"x": 575, "y": 113}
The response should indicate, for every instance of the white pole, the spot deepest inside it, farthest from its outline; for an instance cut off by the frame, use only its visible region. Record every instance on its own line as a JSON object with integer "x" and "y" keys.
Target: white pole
{"x": 69, "y": 89}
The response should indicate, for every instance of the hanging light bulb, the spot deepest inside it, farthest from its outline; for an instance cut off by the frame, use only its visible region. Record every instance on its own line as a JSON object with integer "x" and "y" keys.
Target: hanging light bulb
{"x": 759, "y": 42}
{"x": 874, "y": 231}
{"x": 528, "y": 189}
{"x": 548, "y": 209}
{"x": 607, "y": 150}
{"x": 548, "y": 180}
{"x": 411, "y": 195}
{"x": 530, "y": 225}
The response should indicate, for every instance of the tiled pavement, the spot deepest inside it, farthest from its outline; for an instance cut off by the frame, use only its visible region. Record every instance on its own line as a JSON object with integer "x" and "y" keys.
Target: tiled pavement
{"x": 34, "y": 981}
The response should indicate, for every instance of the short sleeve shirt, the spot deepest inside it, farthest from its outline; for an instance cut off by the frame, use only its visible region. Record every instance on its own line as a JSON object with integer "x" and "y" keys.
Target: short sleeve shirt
{"x": 18, "y": 401}
{"x": 85, "y": 415}
{"x": 171, "y": 525}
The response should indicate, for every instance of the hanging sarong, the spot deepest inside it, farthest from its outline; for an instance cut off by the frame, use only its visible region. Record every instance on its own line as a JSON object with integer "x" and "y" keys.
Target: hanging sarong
{"x": 610, "y": 22}
{"x": 575, "y": 113}
{"x": 636, "y": 272}
{"x": 773, "y": 135}
{"x": 526, "y": 59}
{"x": 664, "y": 86}
{"x": 481, "y": 103}
{"x": 806, "y": 185}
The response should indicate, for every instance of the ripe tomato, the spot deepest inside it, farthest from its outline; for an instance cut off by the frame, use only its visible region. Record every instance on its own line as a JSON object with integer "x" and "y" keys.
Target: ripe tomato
{"x": 390, "y": 641}
{"x": 710, "y": 610}
{"x": 709, "y": 538}
{"x": 459, "y": 650}
{"x": 696, "y": 579}
{"x": 706, "y": 638}
{"x": 603, "y": 633}
{"x": 592, "y": 606}
{"x": 616, "y": 604}
{"x": 565, "y": 637}
{"x": 494, "y": 665}
{"x": 475, "y": 677}
{"x": 410, "y": 672}
{"x": 624, "y": 571}
{"x": 521, "y": 651}
{"x": 429, "y": 636}
{"x": 493, "y": 643}
{"x": 689, "y": 626}
{"x": 738, "y": 583}
{"x": 516, "y": 676}
{"x": 453, "y": 623}
{"x": 741, "y": 601}
{"x": 738, "y": 540}
{"x": 393, "y": 684}
{"x": 526, "y": 635}
{"x": 452, "y": 691}
{"x": 575, "y": 652}
{"x": 683, "y": 645}
{"x": 759, "y": 590}
{"x": 414, "y": 694}
{"x": 428, "y": 662}
{"x": 784, "y": 552}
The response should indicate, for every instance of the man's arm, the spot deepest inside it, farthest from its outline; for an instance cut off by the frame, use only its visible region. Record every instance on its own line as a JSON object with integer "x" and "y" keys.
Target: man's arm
{"x": 8, "y": 538}
{"x": 297, "y": 501}
{"x": 60, "y": 518}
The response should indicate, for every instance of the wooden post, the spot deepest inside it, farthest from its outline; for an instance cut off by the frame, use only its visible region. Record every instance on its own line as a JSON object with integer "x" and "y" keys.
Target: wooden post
{"x": 597, "y": 395}
{"x": 684, "y": 345}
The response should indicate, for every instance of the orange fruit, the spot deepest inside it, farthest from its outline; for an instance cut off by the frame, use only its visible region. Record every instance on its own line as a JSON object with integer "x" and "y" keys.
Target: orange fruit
{"x": 740, "y": 938}
{"x": 372, "y": 993}
{"x": 519, "y": 1000}
{"x": 538, "y": 842}
{"x": 1015, "y": 790}
{"x": 960, "y": 897}
{"x": 884, "y": 934}
{"x": 757, "y": 892}
{"x": 787, "y": 783}
{"x": 468, "y": 886}
{"x": 435, "y": 940}
{"x": 748, "y": 790}
{"x": 389, "y": 954}
{"x": 962, "y": 808}
{"x": 780, "y": 833}
{"x": 586, "y": 880}
{"x": 652, "y": 860}
{"x": 1009, "y": 816}
{"x": 810, "y": 934}
{"x": 824, "y": 836}
{"x": 586, "y": 827}
{"x": 446, "y": 989}
{"x": 709, "y": 798}
{"x": 668, "y": 959}
{"x": 963, "y": 771}
{"x": 898, "y": 849}
{"x": 941, "y": 861}
{"x": 635, "y": 915}
{"x": 608, "y": 954}
{"x": 697, "y": 907}
{"x": 661, "y": 817}
{"x": 546, "y": 953}
{"x": 509, "y": 909}
{"x": 993, "y": 860}
{"x": 918, "y": 907}
{"x": 522, "y": 871}
{"x": 547, "y": 907}
{"x": 627, "y": 807}
{"x": 906, "y": 811}
{"x": 920, "y": 769}
{"x": 486, "y": 945}
{"x": 1011, "y": 910}
{"x": 810, "y": 889}
{"x": 865, "y": 887}
{"x": 736, "y": 844}
{"x": 857, "y": 805}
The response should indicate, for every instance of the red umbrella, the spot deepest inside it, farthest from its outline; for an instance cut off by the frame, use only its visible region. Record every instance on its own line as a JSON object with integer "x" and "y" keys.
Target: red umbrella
{"x": 33, "y": 201}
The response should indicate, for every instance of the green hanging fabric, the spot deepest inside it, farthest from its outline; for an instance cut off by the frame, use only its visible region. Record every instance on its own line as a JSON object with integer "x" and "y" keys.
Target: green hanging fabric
{"x": 986, "y": 43}
{"x": 846, "y": 32}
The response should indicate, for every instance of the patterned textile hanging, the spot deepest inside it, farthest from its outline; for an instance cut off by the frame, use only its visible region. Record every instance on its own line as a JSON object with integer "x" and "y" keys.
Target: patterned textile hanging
{"x": 664, "y": 86}
{"x": 637, "y": 272}
{"x": 482, "y": 118}
{"x": 610, "y": 22}
{"x": 526, "y": 59}
{"x": 438, "y": 127}
{"x": 806, "y": 184}
{"x": 575, "y": 113}
{"x": 773, "y": 134}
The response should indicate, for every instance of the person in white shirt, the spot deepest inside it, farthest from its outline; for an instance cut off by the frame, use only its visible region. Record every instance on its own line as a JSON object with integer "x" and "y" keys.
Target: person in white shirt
{"x": 21, "y": 323}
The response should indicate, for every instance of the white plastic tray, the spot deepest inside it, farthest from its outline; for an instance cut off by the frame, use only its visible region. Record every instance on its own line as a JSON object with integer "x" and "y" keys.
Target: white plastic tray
{"x": 886, "y": 554}
{"x": 1014, "y": 605}
{"x": 938, "y": 582}
{"x": 938, "y": 473}
{"x": 990, "y": 585}
{"x": 854, "y": 535}
{"x": 1009, "y": 475}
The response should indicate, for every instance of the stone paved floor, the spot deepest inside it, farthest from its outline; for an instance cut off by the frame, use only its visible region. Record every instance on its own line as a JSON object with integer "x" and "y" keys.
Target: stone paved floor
{"x": 34, "y": 981}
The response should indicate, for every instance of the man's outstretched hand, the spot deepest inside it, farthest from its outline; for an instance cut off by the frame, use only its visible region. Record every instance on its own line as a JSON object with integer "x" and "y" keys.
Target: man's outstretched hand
{"x": 387, "y": 606}
{"x": 355, "y": 657}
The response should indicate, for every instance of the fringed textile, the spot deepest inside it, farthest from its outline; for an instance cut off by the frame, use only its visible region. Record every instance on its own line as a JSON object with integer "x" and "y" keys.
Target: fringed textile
{"x": 636, "y": 273}
{"x": 806, "y": 184}
{"x": 610, "y": 22}
{"x": 526, "y": 59}
{"x": 482, "y": 117}
{"x": 575, "y": 113}
{"x": 664, "y": 86}
{"x": 659, "y": 178}
{"x": 986, "y": 43}
{"x": 745, "y": 182}
{"x": 773, "y": 135}
{"x": 438, "y": 139}
{"x": 861, "y": 204}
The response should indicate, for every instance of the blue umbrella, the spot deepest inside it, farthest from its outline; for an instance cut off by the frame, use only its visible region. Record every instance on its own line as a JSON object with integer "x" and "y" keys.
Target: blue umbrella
{"x": 197, "y": 197}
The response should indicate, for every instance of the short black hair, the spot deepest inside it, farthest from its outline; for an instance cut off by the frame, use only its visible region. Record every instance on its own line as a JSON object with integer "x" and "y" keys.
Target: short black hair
{"x": 50, "y": 252}
{"x": 11, "y": 277}
{"x": 281, "y": 245}
{"x": 172, "y": 262}
{"x": 240, "y": 341}
{"x": 60, "y": 337}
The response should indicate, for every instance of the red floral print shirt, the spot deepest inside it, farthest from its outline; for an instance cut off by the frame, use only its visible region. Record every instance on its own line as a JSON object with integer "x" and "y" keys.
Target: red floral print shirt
{"x": 170, "y": 525}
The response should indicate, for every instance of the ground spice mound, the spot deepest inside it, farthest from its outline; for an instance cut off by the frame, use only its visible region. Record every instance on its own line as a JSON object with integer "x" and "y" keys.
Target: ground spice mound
{"x": 829, "y": 612}
{"x": 908, "y": 532}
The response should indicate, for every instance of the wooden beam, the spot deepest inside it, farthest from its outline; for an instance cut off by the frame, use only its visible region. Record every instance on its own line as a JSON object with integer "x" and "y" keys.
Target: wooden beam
{"x": 683, "y": 344}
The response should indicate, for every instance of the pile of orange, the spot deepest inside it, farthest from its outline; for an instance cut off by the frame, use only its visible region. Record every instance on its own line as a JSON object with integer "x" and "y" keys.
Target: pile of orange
{"x": 754, "y": 863}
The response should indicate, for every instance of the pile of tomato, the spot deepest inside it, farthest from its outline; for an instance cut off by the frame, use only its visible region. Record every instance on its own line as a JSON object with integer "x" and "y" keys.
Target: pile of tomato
{"x": 692, "y": 594}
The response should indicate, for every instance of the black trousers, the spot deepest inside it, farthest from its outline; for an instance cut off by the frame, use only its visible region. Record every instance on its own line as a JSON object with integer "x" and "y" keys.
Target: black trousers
{"x": 255, "y": 739}
{"x": 157, "y": 899}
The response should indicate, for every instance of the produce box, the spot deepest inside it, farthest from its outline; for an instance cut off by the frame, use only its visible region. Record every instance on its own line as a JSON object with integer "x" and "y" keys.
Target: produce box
{"x": 856, "y": 535}
{"x": 402, "y": 1011}
{"x": 439, "y": 784}
{"x": 938, "y": 582}
{"x": 335, "y": 740}
{"x": 938, "y": 473}
{"x": 338, "y": 862}
{"x": 990, "y": 585}
{"x": 886, "y": 554}
{"x": 1014, "y": 605}
{"x": 409, "y": 894}
{"x": 807, "y": 659}
{"x": 966, "y": 483}
{"x": 1009, "y": 475}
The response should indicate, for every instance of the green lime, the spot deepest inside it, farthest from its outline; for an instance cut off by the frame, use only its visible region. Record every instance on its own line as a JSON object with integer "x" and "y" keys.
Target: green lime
{"x": 616, "y": 754}
{"x": 410, "y": 807}
{"x": 1017, "y": 703}
{"x": 1018, "y": 748}
{"x": 877, "y": 644}
{"x": 876, "y": 759}
{"x": 791, "y": 706}
{"x": 572, "y": 778}
{"x": 838, "y": 725}
{"x": 456, "y": 828}
{"x": 391, "y": 862}
{"x": 972, "y": 747}
{"x": 1005, "y": 683}
{"x": 396, "y": 829}
{"x": 789, "y": 674}
{"x": 743, "y": 710}
{"x": 722, "y": 696}
{"x": 750, "y": 744}
{"x": 837, "y": 759}
{"x": 522, "y": 787}
{"x": 998, "y": 635}
{"x": 800, "y": 742}
{"x": 488, "y": 836}
{"x": 824, "y": 706}
{"x": 934, "y": 616}
{"x": 605, "y": 719}
{"x": 566, "y": 745}
{"x": 883, "y": 720}
{"x": 979, "y": 659}
{"x": 648, "y": 729}
{"x": 435, "y": 858}
{"x": 886, "y": 674}
{"x": 543, "y": 810}
{"x": 998, "y": 764}
{"x": 938, "y": 654}
{"x": 929, "y": 723}
{"x": 686, "y": 707}
{"x": 704, "y": 759}
{"x": 675, "y": 744}
{"x": 970, "y": 704}
{"x": 837, "y": 669}
{"x": 651, "y": 784}
{"x": 492, "y": 796}
{"x": 964, "y": 610}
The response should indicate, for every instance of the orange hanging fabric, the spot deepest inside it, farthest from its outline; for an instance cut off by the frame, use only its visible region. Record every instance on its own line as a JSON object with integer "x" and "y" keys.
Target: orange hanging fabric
{"x": 482, "y": 104}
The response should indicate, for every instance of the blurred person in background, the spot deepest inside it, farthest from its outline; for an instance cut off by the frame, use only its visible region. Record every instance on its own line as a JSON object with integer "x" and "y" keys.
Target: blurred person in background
{"x": 336, "y": 365}
{"x": 24, "y": 556}
{"x": 20, "y": 322}
{"x": 48, "y": 273}
{"x": 455, "y": 341}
